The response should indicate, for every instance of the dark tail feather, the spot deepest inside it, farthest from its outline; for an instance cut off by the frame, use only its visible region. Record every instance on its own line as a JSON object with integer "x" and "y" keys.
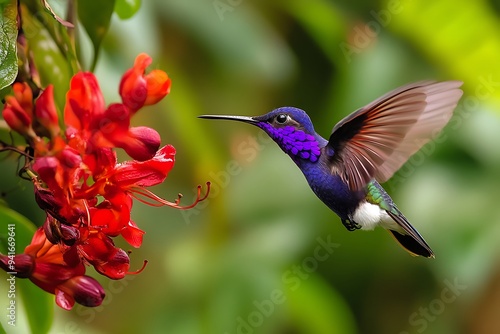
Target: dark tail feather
{"x": 412, "y": 241}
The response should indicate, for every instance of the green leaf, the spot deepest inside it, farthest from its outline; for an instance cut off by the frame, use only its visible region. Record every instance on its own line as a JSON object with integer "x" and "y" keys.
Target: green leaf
{"x": 8, "y": 39}
{"x": 53, "y": 67}
{"x": 38, "y": 304}
{"x": 40, "y": 313}
{"x": 127, "y": 8}
{"x": 95, "y": 16}
{"x": 24, "y": 229}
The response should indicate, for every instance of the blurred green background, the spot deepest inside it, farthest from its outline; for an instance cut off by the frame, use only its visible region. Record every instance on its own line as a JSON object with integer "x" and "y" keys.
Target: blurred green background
{"x": 262, "y": 254}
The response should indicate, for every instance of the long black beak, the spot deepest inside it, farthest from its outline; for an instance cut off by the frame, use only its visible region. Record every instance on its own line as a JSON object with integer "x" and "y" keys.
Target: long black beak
{"x": 244, "y": 119}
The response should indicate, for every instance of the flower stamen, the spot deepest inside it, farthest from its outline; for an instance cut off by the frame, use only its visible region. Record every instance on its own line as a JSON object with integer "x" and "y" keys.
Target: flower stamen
{"x": 138, "y": 271}
{"x": 157, "y": 201}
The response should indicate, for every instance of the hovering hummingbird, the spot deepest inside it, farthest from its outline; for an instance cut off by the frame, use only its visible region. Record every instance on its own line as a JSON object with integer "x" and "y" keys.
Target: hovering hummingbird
{"x": 365, "y": 148}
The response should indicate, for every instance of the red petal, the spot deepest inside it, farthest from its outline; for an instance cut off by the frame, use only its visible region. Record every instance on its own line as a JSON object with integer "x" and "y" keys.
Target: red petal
{"x": 56, "y": 273}
{"x": 72, "y": 258}
{"x": 133, "y": 234}
{"x": 24, "y": 96}
{"x": 141, "y": 143}
{"x": 137, "y": 89}
{"x": 116, "y": 266}
{"x": 111, "y": 219}
{"x": 107, "y": 259}
{"x": 37, "y": 242}
{"x": 141, "y": 62}
{"x": 114, "y": 122}
{"x": 133, "y": 86}
{"x": 15, "y": 116}
{"x": 100, "y": 161}
{"x": 45, "y": 110}
{"x": 145, "y": 173}
{"x": 97, "y": 247}
{"x": 64, "y": 300}
{"x": 50, "y": 171}
{"x": 158, "y": 86}
{"x": 84, "y": 101}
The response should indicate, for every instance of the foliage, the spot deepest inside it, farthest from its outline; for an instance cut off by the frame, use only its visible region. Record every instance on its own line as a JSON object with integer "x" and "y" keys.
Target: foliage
{"x": 220, "y": 267}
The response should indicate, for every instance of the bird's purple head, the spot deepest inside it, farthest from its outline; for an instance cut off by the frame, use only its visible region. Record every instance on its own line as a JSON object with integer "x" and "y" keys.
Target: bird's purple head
{"x": 291, "y": 128}
{"x": 288, "y": 116}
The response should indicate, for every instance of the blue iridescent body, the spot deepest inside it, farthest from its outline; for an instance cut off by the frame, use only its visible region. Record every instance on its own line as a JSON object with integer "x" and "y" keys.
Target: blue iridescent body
{"x": 364, "y": 148}
{"x": 305, "y": 147}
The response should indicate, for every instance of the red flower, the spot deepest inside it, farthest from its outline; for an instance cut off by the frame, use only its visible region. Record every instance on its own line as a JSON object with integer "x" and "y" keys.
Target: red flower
{"x": 18, "y": 110}
{"x": 99, "y": 250}
{"x": 112, "y": 216}
{"x": 86, "y": 193}
{"x": 56, "y": 272}
{"x": 138, "y": 90}
{"x": 92, "y": 126}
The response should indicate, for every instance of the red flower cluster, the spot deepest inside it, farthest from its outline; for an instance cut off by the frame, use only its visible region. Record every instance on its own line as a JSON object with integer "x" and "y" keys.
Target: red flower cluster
{"x": 85, "y": 192}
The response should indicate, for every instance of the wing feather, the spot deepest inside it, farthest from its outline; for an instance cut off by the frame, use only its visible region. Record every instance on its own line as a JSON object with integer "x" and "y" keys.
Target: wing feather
{"x": 375, "y": 141}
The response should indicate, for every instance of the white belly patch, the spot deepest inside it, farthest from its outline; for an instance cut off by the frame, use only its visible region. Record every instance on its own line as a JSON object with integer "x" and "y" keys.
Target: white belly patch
{"x": 368, "y": 216}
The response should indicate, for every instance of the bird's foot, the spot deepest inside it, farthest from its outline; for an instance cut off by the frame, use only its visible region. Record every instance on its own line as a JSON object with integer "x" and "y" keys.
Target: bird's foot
{"x": 350, "y": 225}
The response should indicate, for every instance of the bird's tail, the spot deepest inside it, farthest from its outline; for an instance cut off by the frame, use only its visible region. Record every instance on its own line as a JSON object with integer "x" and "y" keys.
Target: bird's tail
{"x": 410, "y": 240}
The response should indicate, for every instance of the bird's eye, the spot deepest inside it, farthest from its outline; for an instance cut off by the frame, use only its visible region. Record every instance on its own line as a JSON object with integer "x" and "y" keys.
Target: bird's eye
{"x": 282, "y": 118}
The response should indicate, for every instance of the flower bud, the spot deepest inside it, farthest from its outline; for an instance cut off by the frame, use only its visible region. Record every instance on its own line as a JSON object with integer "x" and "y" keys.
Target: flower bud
{"x": 21, "y": 264}
{"x": 85, "y": 290}
{"x": 56, "y": 232}
{"x": 141, "y": 142}
{"x": 137, "y": 89}
{"x": 24, "y": 95}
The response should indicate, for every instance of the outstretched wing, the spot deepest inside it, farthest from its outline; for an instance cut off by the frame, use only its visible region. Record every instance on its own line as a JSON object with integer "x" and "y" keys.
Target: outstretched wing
{"x": 375, "y": 141}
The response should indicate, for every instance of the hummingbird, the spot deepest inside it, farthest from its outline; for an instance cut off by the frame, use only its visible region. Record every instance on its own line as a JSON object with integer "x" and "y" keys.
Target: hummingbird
{"x": 364, "y": 149}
